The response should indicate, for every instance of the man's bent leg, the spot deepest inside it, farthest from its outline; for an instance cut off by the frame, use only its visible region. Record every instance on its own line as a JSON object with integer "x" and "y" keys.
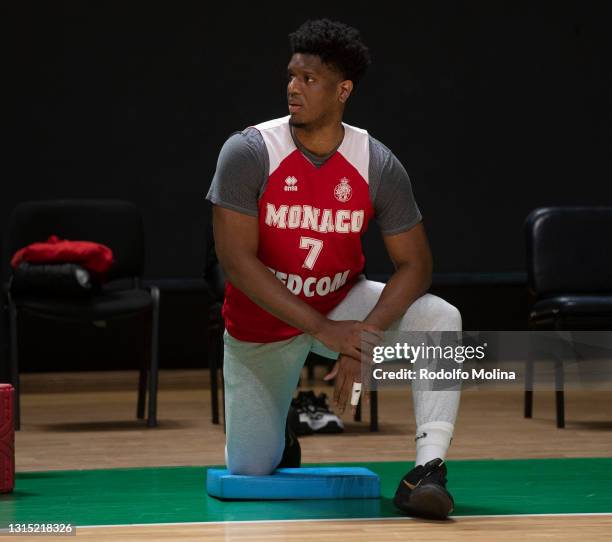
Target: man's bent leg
{"x": 435, "y": 411}
{"x": 422, "y": 491}
{"x": 260, "y": 379}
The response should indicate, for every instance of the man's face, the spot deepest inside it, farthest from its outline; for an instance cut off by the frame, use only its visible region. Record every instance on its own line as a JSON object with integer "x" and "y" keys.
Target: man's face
{"x": 313, "y": 90}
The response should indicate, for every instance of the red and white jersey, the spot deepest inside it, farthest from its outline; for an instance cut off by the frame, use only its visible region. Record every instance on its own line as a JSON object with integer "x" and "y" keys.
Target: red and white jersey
{"x": 310, "y": 225}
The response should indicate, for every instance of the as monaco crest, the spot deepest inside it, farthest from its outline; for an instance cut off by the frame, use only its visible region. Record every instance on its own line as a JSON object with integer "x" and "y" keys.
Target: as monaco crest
{"x": 343, "y": 190}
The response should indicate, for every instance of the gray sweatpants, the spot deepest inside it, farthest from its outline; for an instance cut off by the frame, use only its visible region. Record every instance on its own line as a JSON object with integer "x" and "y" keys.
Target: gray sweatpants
{"x": 261, "y": 378}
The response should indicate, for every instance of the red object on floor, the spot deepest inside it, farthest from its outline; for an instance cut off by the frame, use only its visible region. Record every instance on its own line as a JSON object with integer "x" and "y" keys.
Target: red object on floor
{"x": 7, "y": 439}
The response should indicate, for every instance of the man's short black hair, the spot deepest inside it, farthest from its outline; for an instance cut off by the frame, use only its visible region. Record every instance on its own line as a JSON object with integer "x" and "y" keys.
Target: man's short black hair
{"x": 337, "y": 44}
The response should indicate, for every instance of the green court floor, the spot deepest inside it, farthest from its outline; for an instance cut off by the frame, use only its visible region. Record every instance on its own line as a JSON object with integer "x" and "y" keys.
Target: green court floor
{"x": 177, "y": 494}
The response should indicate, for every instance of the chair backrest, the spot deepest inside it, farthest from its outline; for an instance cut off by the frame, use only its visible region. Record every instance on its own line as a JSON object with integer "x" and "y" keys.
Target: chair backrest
{"x": 117, "y": 224}
{"x": 569, "y": 250}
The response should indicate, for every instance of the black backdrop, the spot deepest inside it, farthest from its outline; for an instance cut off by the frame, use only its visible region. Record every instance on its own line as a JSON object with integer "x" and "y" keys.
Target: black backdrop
{"x": 494, "y": 108}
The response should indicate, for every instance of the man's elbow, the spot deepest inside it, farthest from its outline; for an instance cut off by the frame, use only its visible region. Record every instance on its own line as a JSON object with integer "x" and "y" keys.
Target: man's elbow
{"x": 424, "y": 273}
{"x": 229, "y": 266}
{"x": 427, "y": 273}
{"x": 421, "y": 272}
{"x": 427, "y": 280}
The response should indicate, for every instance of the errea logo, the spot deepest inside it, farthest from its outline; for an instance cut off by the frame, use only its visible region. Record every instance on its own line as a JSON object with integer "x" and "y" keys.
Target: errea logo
{"x": 290, "y": 184}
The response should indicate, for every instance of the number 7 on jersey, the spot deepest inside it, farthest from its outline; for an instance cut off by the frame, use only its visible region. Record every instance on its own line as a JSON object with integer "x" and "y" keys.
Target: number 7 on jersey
{"x": 314, "y": 247}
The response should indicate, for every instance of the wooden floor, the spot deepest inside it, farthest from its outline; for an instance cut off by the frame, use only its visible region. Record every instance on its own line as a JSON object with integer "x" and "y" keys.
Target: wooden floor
{"x": 87, "y": 421}
{"x": 585, "y": 528}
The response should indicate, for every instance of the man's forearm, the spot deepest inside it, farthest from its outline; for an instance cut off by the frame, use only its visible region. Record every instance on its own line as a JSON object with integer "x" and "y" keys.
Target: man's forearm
{"x": 236, "y": 240}
{"x": 256, "y": 281}
{"x": 406, "y": 285}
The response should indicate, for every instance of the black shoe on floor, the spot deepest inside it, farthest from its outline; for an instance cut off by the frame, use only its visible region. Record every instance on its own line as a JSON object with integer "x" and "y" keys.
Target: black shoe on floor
{"x": 323, "y": 419}
{"x": 299, "y": 415}
{"x": 292, "y": 455}
{"x": 314, "y": 414}
{"x": 422, "y": 492}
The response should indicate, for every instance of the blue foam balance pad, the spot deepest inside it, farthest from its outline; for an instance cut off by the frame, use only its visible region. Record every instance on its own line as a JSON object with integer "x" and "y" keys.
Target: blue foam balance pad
{"x": 297, "y": 483}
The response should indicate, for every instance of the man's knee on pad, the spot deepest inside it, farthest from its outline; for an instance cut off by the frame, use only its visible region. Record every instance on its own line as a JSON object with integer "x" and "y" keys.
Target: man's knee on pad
{"x": 253, "y": 464}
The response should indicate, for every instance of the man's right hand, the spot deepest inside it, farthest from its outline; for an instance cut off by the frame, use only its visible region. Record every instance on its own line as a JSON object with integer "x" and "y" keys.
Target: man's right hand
{"x": 349, "y": 337}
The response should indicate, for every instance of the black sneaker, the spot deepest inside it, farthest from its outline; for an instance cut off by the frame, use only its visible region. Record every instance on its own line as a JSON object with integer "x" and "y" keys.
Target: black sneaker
{"x": 300, "y": 405}
{"x": 322, "y": 418}
{"x": 422, "y": 492}
{"x": 292, "y": 454}
{"x": 314, "y": 413}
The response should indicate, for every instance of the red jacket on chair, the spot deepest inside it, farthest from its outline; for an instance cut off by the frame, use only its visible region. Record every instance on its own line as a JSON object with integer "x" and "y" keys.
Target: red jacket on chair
{"x": 92, "y": 256}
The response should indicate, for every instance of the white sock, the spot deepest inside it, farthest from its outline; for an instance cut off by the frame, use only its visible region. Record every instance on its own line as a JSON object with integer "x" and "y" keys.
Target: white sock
{"x": 433, "y": 440}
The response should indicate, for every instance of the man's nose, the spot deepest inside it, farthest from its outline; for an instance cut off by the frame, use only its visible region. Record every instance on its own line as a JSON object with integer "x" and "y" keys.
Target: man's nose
{"x": 293, "y": 87}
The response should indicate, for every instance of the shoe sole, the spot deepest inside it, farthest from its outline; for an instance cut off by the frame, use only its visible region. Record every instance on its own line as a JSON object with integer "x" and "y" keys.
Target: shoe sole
{"x": 428, "y": 501}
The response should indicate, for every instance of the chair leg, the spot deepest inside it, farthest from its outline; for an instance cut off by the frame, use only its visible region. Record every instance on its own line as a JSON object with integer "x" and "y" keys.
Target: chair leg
{"x": 357, "y": 416}
{"x": 528, "y": 407}
{"x": 14, "y": 354}
{"x": 213, "y": 359}
{"x": 154, "y": 369}
{"x": 528, "y": 404}
{"x": 373, "y": 411}
{"x": 560, "y": 400}
{"x": 142, "y": 393}
{"x": 142, "y": 374}
{"x": 559, "y": 394}
{"x": 310, "y": 368}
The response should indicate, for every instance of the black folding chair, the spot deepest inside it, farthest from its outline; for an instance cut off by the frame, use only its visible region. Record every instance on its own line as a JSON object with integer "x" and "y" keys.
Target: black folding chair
{"x": 569, "y": 267}
{"x": 117, "y": 224}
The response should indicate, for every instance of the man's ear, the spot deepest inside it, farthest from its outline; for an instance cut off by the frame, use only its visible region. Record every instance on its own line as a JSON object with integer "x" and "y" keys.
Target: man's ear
{"x": 344, "y": 90}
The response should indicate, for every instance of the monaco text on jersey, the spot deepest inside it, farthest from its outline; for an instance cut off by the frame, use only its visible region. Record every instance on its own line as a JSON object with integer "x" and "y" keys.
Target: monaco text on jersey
{"x": 313, "y": 218}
